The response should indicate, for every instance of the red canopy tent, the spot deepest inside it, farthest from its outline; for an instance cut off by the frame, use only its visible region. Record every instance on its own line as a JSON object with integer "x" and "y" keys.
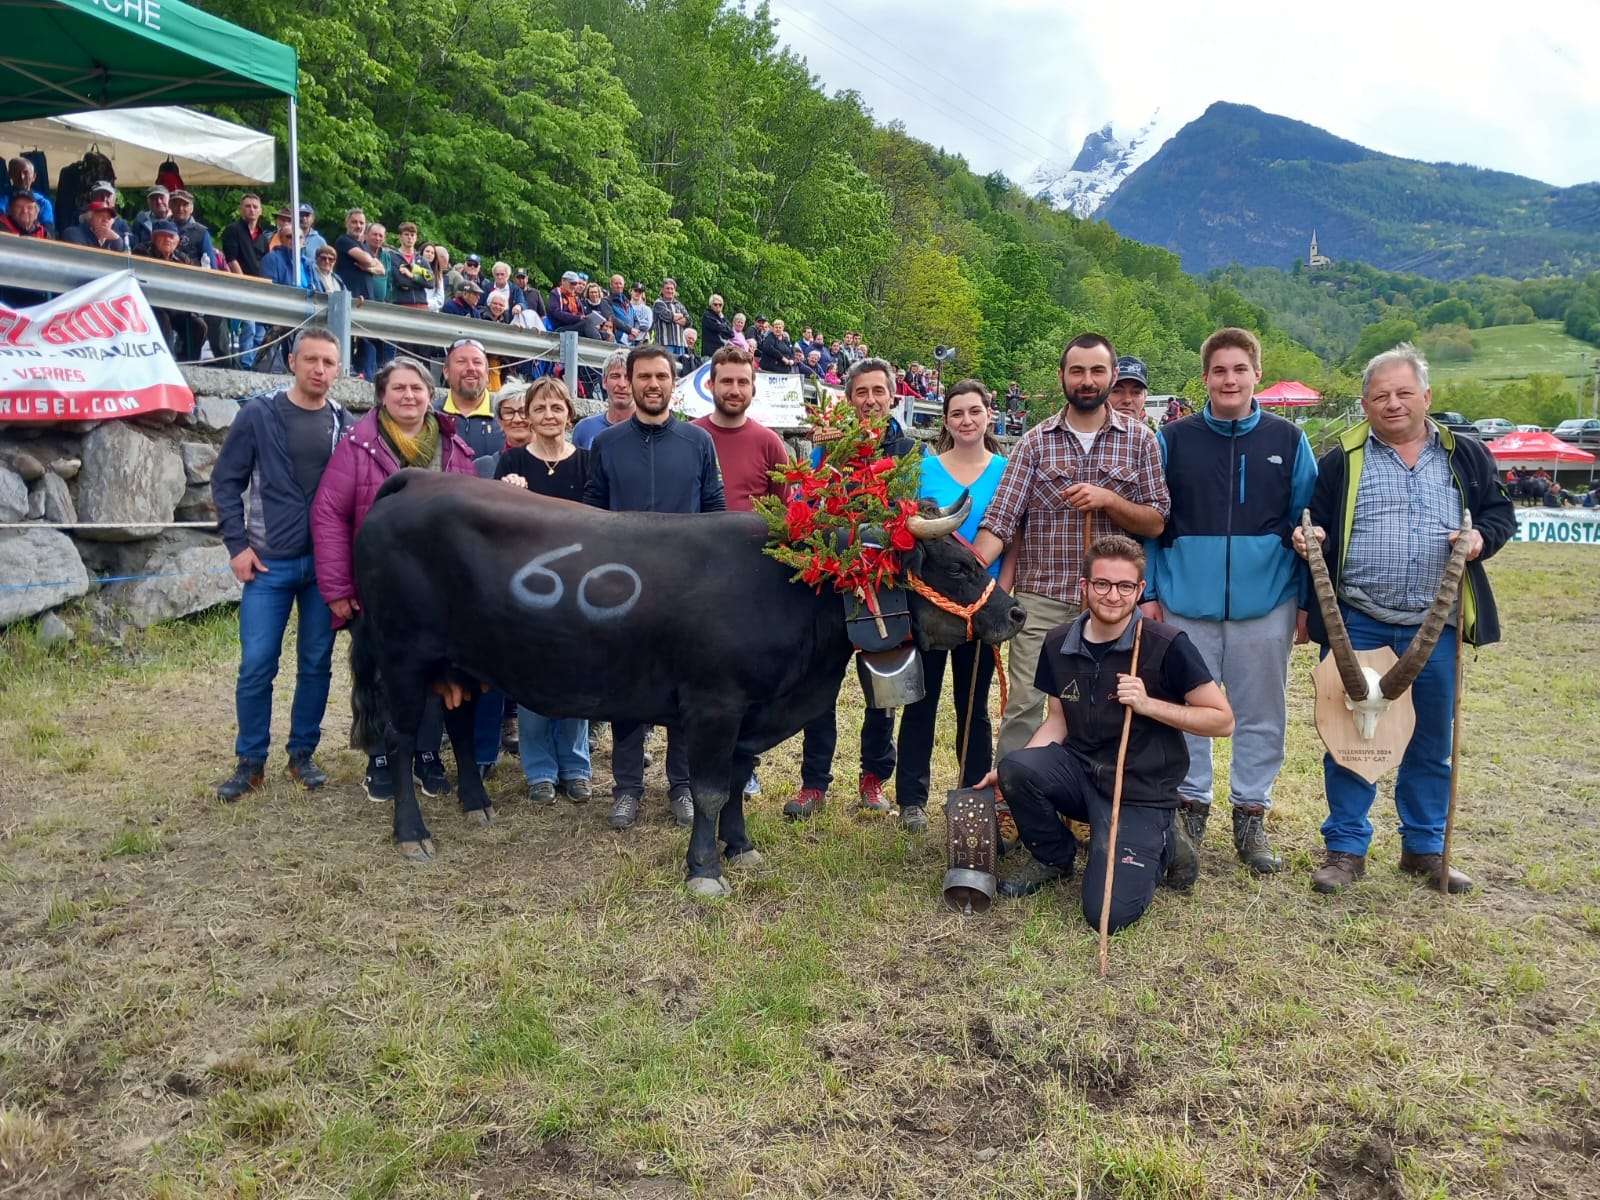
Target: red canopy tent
{"x": 1536, "y": 448}
{"x": 1289, "y": 393}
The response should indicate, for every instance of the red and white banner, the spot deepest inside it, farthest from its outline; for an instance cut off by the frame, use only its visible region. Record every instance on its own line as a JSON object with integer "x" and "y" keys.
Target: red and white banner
{"x": 93, "y": 353}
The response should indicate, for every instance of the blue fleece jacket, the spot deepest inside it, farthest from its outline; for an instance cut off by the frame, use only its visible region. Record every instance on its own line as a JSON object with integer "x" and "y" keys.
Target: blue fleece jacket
{"x": 1238, "y": 488}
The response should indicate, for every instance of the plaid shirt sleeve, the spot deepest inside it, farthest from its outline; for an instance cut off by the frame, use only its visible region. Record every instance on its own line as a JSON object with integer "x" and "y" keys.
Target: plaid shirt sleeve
{"x": 1011, "y": 496}
{"x": 1151, "y": 478}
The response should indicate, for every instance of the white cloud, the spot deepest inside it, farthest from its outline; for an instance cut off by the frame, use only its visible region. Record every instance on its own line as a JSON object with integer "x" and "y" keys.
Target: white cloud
{"x": 1011, "y": 83}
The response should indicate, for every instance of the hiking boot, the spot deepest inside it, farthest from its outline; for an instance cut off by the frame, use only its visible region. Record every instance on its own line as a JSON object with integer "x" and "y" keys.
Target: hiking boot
{"x": 624, "y": 810}
{"x": 303, "y": 770}
{"x": 543, "y": 792}
{"x": 430, "y": 775}
{"x": 1427, "y": 866}
{"x": 508, "y": 734}
{"x": 681, "y": 802}
{"x": 914, "y": 818}
{"x": 872, "y": 797}
{"x": 1339, "y": 872}
{"x": 1184, "y": 867}
{"x": 1030, "y": 877}
{"x": 379, "y": 783}
{"x": 803, "y": 805}
{"x": 1251, "y": 841}
{"x": 246, "y": 777}
{"x": 578, "y": 790}
{"x": 1194, "y": 818}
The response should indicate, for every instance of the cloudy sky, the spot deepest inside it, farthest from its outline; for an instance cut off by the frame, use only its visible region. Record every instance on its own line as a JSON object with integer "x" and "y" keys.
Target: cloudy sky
{"x": 1012, "y": 83}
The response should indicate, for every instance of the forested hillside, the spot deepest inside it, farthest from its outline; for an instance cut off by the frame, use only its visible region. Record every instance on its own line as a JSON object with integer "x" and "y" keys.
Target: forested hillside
{"x": 680, "y": 137}
{"x": 1238, "y": 185}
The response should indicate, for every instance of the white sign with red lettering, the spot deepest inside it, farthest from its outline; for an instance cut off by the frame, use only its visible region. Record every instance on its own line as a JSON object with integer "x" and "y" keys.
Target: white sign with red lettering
{"x": 93, "y": 353}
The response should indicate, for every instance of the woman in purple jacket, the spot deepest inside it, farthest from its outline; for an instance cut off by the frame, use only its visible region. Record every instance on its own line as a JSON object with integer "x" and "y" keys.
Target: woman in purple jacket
{"x": 402, "y": 430}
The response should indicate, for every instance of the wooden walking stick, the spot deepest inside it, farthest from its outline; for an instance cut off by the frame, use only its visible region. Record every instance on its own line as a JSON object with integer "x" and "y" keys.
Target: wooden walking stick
{"x": 1116, "y": 808}
{"x": 1455, "y": 752}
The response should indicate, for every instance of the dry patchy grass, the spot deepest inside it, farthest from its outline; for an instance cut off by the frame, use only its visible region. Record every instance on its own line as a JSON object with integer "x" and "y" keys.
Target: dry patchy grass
{"x": 262, "y": 1000}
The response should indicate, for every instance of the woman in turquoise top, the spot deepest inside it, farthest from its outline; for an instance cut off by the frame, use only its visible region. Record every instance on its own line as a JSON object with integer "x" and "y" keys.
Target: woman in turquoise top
{"x": 965, "y": 458}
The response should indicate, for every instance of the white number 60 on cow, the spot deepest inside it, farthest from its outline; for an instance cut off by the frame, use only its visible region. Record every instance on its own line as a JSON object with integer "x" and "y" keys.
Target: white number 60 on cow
{"x": 538, "y": 568}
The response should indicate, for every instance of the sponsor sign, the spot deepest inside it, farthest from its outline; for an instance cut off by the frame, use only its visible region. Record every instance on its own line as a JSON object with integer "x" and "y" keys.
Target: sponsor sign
{"x": 93, "y": 353}
{"x": 779, "y": 401}
{"x": 1579, "y": 526}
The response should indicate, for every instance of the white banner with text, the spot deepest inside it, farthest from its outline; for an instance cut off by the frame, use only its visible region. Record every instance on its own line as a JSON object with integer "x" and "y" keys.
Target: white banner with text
{"x": 1579, "y": 526}
{"x": 779, "y": 401}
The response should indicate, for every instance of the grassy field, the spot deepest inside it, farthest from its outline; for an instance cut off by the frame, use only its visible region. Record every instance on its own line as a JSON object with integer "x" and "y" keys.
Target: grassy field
{"x": 264, "y": 1001}
{"x": 1513, "y": 352}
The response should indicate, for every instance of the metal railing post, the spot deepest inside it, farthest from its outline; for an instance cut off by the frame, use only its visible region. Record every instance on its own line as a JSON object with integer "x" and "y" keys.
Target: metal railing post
{"x": 339, "y": 325}
{"x": 569, "y": 359}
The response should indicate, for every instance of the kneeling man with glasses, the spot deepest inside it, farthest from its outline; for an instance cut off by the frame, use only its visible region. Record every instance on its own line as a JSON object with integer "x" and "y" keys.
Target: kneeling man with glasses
{"x": 1068, "y": 768}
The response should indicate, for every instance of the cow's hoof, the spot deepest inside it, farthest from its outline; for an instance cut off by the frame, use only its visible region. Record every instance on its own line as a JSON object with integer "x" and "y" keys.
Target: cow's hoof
{"x": 747, "y": 859}
{"x": 710, "y": 889}
{"x": 481, "y": 817}
{"x": 416, "y": 851}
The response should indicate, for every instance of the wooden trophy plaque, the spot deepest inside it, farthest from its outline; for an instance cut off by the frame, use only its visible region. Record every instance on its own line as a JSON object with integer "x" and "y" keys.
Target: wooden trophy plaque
{"x": 1336, "y": 724}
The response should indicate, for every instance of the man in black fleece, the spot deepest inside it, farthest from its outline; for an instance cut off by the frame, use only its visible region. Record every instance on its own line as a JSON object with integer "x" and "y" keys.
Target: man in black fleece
{"x": 278, "y": 447}
{"x": 651, "y": 463}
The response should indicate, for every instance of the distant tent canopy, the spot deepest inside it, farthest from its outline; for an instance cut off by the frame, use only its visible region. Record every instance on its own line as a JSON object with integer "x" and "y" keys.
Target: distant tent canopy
{"x": 1536, "y": 448}
{"x": 209, "y": 151}
{"x": 1289, "y": 393}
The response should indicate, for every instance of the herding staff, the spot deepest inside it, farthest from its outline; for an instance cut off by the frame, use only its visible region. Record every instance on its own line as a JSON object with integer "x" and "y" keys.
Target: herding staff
{"x": 1455, "y": 748}
{"x": 1116, "y": 808}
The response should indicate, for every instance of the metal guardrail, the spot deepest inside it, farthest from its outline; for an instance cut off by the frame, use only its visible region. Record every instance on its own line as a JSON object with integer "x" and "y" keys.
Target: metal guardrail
{"x": 57, "y": 267}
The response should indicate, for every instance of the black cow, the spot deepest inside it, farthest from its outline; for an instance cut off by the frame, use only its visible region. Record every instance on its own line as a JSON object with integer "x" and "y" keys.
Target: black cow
{"x": 652, "y": 617}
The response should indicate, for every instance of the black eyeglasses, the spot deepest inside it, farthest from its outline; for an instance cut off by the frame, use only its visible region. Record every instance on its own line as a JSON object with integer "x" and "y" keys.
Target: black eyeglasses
{"x": 508, "y": 413}
{"x": 1102, "y": 587}
{"x": 460, "y": 342}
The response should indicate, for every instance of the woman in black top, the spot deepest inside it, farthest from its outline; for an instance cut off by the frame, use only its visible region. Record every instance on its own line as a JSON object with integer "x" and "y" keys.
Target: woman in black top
{"x": 552, "y": 751}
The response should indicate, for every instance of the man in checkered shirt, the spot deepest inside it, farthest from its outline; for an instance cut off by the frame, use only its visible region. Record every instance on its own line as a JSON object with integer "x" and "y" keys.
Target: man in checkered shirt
{"x": 1083, "y": 473}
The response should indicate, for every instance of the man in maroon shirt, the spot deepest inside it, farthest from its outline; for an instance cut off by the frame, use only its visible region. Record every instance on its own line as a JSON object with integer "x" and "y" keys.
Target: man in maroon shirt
{"x": 747, "y": 451}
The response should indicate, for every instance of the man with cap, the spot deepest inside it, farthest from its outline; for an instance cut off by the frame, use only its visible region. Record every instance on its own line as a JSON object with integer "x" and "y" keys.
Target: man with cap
{"x": 532, "y": 297}
{"x": 106, "y": 192}
{"x": 472, "y": 268}
{"x": 22, "y": 215}
{"x": 20, "y": 178}
{"x": 310, "y": 239}
{"x": 158, "y": 208}
{"x": 194, "y": 239}
{"x": 464, "y": 303}
{"x": 189, "y": 329}
{"x": 95, "y": 229}
{"x": 565, "y": 310}
{"x": 1131, "y": 387}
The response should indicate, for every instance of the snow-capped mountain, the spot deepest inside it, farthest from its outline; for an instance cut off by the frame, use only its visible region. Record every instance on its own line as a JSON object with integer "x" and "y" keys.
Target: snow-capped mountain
{"x": 1109, "y": 156}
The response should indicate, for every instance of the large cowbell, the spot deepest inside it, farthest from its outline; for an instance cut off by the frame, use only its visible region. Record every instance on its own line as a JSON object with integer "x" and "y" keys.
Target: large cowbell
{"x": 888, "y": 663}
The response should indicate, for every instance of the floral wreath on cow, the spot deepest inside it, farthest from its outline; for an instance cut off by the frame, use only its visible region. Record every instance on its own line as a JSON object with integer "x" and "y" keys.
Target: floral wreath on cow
{"x": 846, "y": 521}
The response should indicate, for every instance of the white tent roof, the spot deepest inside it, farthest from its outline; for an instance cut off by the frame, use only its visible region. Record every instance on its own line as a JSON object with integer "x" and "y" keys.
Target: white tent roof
{"x": 208, "y": 150}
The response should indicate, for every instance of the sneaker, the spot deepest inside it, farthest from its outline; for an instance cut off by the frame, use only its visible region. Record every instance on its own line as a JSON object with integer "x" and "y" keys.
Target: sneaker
{"x": 752, "y": 786}
{"x": 1184, "y": 866}
{"x": 872, "y": 797}
{"x": 543, "y": 792}
{"x": 508, "y": 734}
{"x": 303, "y": 770}
{"x": 914, "y": 818}
{"x": 1031, "y": 876}
{"x": 1251, "y": 841}
{"x": 624, "y": 810}
{"x": 379, "y": 783}
{"x": 804, "y": 804}
{"x": 1194, "y": 818}
{"x": 246, "y": 777}
{"x": 1341, "y": 870}
{"x": 430, "y": 774}
{"x": 681, "y": 802}
{"x": 578, "y": 790}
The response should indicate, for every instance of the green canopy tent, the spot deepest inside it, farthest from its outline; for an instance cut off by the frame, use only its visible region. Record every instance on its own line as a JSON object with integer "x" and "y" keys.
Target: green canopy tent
{"x": 62, "y": 56}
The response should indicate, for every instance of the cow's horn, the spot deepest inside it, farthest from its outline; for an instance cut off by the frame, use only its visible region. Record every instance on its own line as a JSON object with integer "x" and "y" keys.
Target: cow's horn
{"x": 946, "y": 520}
{"x": 1344, "y": 654}
{"x": 1404, "y": 673}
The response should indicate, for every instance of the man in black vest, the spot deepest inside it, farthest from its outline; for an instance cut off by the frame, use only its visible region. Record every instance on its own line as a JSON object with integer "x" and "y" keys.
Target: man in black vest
{"x": 1068, "y": 767}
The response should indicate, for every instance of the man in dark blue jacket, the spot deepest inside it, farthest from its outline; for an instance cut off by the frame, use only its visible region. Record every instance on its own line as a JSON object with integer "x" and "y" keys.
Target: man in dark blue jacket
{"x": 278, "y": 448}
{"x": 651, "y": 463}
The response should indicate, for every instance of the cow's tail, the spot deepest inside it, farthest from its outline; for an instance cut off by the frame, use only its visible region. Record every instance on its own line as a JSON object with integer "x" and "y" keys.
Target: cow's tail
{"x": 368, "y": 716}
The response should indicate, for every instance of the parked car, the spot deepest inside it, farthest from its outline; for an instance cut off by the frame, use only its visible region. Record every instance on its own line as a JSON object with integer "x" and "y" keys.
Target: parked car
{"x": 1456, "y": 423}
{"x": 1493, "y": 427}
{"x": 1580, "y": 431}
{"x": 1530, "y": 428}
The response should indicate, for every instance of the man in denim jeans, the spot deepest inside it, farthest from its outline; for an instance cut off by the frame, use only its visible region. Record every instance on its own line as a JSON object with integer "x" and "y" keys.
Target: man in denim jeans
{"x": 278, "y": 447}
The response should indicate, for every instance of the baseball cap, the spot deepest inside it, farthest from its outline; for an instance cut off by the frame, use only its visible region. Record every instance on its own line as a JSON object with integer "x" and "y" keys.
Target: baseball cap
{"x": 466, "y": 285}
{"x": 475, "y": 260}
{"x": 760, "y": 320}
{"x": 103, "y": 185}
{"x": 164, "y": 227}
{"x": 522, "y": 272}
{"x": 157, "y": 190}
{"x": 182, "y": 194}
{"x": 1132, "y": 368}
{"x": 305, "y": 209}
{"x": 571, "y": 277}
{"x": 101, "y": 206}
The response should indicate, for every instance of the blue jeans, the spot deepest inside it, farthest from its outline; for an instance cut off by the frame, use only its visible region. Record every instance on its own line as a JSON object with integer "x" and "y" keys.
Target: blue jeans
{"x": 249, "y": 339}
{"x": 552, "y": 751}
{"x": 486, "y": 718}
{"x": 1422, "y": 787}
{"x": 364, "y": 358}
{"x": 263, "y": 619}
